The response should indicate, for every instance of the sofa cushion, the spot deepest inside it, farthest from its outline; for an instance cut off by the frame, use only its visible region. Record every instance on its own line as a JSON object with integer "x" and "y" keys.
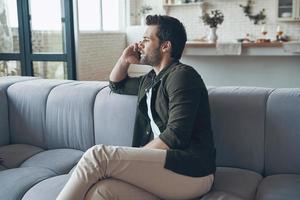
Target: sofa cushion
{"x": 2, "y": 168}
{"x": 13, "y": 155}
{"x": 220, "y": 196}
{"x": 283, "y": 132}
{"x": 15, "y": 182}
{"x": 236, "y": 182}
{"x": 278, "y": 187}
{"x": 51, "y": 186}
{"x": 109, "y": 109}
{"x": 5, "y": 82}
{"x": 27, "y": 110}
{"x": 70, "y": 119}
{"x": 60, "y": 161}
{"x": 238, "y": 115}
{"x": 4, "y": 124}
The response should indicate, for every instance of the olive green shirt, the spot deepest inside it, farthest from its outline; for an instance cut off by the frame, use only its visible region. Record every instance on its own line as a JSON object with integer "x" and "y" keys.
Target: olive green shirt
{"x": 180, "y": 109}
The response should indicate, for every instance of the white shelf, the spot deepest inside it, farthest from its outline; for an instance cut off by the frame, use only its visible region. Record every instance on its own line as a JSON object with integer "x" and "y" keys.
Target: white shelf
{"x": 184, "y": 4}
{"x": 248, "y": 49}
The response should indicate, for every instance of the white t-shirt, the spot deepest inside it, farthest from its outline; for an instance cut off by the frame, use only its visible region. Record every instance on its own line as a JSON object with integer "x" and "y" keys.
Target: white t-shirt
{"x": 154, "y": 127}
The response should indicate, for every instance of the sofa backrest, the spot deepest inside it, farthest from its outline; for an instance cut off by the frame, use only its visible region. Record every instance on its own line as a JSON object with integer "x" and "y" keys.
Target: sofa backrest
{"x": 114, "y": 118}
{"x": 27, "y": 110}
{"x": 283, "y": 132}
{"x": 69, "y": 116}
{"x": 238, "y": 116}
{"x": 53, "y": 113}
{"x": 4, "y": 125}
{"x": 5, "y": 82}
{"x": 254, "y": 128}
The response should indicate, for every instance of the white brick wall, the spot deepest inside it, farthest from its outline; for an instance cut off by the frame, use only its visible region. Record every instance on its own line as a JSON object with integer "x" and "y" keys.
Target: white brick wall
{"x": 98, "y": 52}
{"x": 235, "y": 25}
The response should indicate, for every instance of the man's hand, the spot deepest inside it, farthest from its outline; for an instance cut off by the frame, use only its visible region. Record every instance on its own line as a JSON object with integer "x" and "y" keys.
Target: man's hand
{"x": 157, "y": 143}
{"x": 129, "y": 56}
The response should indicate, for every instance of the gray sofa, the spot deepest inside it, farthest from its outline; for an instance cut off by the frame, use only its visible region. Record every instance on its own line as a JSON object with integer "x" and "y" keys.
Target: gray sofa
{"x": 46, "y": 125}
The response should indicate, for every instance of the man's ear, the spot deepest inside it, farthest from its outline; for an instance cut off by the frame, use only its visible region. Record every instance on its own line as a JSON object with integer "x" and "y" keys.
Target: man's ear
{"x": 166, "y": 46}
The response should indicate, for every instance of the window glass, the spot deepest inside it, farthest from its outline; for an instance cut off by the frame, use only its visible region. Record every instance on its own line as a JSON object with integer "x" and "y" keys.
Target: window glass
{"x": 9, "y": 33}
{"x": 51, "y": 70}
{"x": 89, "y": 15}
{"x": 110, "y": 12}
{"x": 97, "y": 15}
{"x": 10, "y": 68}
{"x": 46, "y": 26}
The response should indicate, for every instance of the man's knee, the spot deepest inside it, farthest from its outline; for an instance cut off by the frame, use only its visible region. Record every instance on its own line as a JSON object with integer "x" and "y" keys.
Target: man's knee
{"x": 100, "y": 154}
{"x": 94, "y": 151}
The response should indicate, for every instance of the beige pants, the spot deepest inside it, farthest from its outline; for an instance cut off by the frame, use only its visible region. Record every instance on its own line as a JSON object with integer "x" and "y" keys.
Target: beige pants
{"x": 110, "y": 172}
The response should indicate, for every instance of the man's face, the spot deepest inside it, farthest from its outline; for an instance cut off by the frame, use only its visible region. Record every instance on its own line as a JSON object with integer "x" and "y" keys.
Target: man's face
{"x": 150, "y": 47}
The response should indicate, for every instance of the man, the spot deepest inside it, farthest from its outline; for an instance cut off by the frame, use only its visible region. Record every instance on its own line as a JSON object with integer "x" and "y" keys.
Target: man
{"x": 173, "y": 155}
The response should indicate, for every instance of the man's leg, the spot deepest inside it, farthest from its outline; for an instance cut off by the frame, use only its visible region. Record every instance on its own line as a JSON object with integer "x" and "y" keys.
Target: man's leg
{"x": 114, "y": 189}
{"x": 137, "y": 166}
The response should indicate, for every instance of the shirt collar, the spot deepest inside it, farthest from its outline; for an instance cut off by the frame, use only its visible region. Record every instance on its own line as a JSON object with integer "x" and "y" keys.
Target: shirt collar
{"x": 164, "y": 71}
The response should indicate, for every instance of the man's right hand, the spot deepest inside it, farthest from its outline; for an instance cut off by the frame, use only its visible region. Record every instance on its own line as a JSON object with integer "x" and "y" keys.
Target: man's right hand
{"x": 131, "y": 54}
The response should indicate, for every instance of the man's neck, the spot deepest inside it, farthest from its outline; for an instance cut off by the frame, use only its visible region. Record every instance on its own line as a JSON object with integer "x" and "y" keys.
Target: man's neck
{"x": 163, "y": 64}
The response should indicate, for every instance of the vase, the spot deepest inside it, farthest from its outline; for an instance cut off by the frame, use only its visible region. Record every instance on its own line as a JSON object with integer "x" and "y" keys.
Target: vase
{"x": 213, "y": 37}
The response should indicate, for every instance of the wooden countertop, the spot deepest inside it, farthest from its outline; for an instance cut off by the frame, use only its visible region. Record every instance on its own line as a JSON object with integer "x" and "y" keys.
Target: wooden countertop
{"x": 197, "y": 48}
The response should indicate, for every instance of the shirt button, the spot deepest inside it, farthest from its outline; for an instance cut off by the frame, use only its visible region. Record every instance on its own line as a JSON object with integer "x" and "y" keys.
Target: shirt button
{"x": 147, "y": 132}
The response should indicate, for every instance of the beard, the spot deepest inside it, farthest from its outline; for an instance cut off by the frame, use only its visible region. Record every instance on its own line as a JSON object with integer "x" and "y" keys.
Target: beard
{"x": 153, "y": 58}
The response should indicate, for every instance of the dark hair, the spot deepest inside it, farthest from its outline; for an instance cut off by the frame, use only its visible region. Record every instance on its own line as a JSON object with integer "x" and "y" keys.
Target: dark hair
{"x": 169, "y": 29}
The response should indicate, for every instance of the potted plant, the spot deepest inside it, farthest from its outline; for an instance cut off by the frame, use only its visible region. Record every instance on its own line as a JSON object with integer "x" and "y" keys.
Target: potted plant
{"x": 213, "y": 21}
{"x": 143, "y": 11}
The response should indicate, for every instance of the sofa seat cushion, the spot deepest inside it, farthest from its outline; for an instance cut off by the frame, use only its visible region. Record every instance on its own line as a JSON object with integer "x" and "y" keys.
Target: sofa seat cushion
{"x": 220, "y": 196}
{"x": 51, "y": 186}
{"x": 15, "y": 154}
{"x": 2, "y": 167}
{"x": 236, "y": 182}
{"x": 60, "y": 161}
{"x": 15, "y": 182}
{"x": 277, "y": 187}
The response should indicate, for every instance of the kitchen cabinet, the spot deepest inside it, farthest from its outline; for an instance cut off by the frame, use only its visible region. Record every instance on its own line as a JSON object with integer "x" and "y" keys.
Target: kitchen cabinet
{"x": 181, "y": 2}
{"x": 288, "y": 10}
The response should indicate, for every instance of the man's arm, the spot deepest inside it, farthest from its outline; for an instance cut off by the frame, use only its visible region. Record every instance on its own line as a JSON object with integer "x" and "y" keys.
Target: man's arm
{"x": 120, "y": 82}
{"x": 157, "y": 143}
{"x": 129, "y": 56}
{"x": 186, "y": 91}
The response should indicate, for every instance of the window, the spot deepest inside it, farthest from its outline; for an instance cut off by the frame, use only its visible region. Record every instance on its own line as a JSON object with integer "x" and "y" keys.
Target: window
{"x": 37, "y": 38}
{"x": 101, "y": 15}
{"x": 9, "y": 32}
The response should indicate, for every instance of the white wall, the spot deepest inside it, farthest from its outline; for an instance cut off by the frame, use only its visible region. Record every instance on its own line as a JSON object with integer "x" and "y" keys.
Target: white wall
{"x": 235, "y": 25}
{"x": 261, "y": 71}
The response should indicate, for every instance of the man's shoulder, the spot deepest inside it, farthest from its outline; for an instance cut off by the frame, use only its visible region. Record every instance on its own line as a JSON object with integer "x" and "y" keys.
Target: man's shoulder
{"x": 181, "y": 69}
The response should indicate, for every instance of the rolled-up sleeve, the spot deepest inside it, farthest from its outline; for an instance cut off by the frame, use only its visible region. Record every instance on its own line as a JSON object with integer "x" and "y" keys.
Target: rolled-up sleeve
{"x": 129, "y": 86}
{"x": 184, "y": 88}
